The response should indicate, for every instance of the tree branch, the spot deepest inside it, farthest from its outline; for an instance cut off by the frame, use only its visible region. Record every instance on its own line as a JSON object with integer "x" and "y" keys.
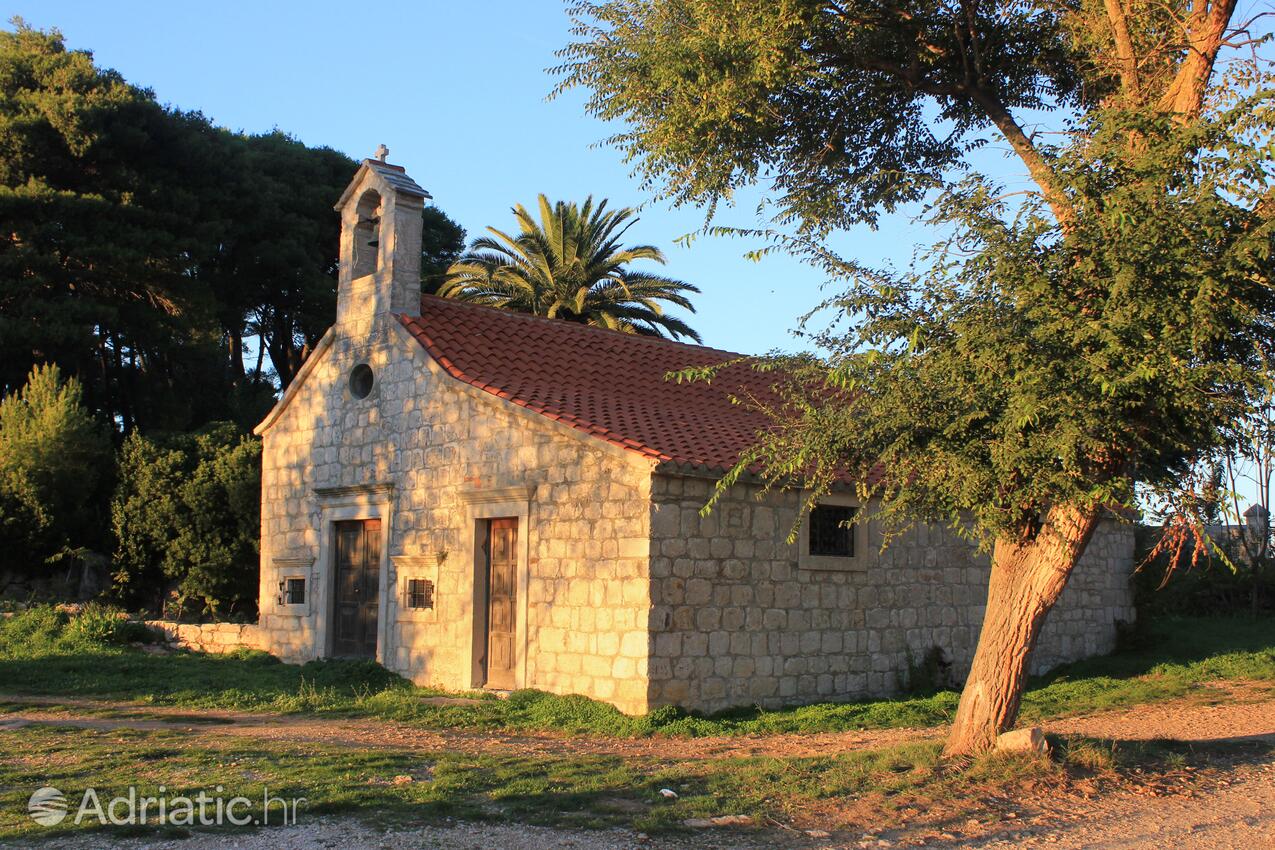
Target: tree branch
{"x": 1206, "y": 32}
{"x": 972, "y": 87}
{"x": 1124, "y": 50}
{"x": 1037, "y": 167}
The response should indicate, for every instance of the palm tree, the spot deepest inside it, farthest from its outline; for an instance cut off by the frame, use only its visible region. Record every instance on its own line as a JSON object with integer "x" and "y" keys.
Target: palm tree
{"x": 570, "y": 265}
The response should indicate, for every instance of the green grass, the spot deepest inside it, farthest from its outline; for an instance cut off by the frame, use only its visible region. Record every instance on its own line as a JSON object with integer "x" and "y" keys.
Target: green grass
{"x": 580, "y": 791}
{"x": 852, "y": 790}
{"x": 1164, "y": 659}
{"x": 41, "y": 653}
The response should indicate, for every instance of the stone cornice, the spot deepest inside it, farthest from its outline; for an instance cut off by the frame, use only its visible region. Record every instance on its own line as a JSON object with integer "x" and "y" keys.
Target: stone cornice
{"x": 415, "y": 562}
{"x": 384, "y": 488}
{"x": 498, "y": 494}
{"x": 294, "y": 562}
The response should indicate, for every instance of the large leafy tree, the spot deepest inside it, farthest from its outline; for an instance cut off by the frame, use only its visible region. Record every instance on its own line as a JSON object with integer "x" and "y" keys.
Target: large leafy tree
{"x": 442, "y": 243}
{"x": 54, "y": 459}
{"x": 571, "y": 264}
{"x": 142, "y": 246}
{"x": 270, "y": 262}
{"x": 1104, "y": 324}
{"x": 98, "y": 225}
{"x": 187, "y": 519}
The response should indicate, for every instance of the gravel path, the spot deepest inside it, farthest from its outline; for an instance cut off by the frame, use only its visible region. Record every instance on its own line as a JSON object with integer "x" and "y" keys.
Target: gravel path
{"x": 1237, "y": 814}
{"x": 1231, "y": 712}
{"x": 349, "y": 834}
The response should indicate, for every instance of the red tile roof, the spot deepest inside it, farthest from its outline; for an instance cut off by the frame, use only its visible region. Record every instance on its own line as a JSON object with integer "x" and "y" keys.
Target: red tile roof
{"x": 606, "y": 383}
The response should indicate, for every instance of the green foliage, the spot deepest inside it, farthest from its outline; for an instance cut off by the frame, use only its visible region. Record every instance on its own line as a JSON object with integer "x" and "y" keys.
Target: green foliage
{"x": 186, "y": 514}
{"x": 101, "y": 210}
{"x": 144, "y": 244}
{"x": 1016, "y": 369}
{"x": 844, "y": 109}
{"x": 42, "y": 631}
{"x": 85, "y": 652}
{"x": 54, "y": 470}
{"x": 1109, "y": 326}
{"x": 570, "y": 265}
{"x": 99, "y": 624}
{"x": 442, "y": 243}
{"x": 32, "y": 633}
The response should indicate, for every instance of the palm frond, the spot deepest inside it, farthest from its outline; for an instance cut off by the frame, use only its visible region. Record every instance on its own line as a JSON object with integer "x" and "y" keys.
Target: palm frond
{"x": 571, "y": 264}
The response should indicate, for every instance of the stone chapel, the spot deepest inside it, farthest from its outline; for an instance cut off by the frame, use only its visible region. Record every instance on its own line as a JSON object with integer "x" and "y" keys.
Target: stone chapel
{"x": 480, "y": 499}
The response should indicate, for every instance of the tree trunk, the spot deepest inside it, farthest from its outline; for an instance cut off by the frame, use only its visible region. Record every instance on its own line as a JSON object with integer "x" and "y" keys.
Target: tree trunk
{"x": 237, "y": 372}
{"x": 1205, "y": 33}
{"x": 1027, "y": 579}
{"x": 279, "y": 347}
{"x": 261, "y": 353}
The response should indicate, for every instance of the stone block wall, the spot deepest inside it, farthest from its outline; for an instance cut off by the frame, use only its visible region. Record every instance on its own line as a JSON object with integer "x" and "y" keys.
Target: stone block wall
{"x": 433, "y": 439}
{"x": 736, "y": 621}
{"x": 631, "y": 596}
{"x": 208, "y": 637}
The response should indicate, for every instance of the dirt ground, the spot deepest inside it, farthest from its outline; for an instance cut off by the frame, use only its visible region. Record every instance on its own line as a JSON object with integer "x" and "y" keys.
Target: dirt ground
{"x": 1234, "y": 808}
{"x": 1218, "y": 711}
{"x": 1240, "y": 814}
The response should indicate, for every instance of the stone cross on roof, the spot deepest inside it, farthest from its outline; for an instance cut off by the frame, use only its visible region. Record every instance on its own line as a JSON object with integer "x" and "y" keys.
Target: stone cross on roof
{"x": 381, "y": 152}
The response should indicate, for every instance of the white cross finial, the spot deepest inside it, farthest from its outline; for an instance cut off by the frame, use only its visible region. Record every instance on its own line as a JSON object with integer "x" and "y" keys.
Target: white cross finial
{"x": 381, "y": 152}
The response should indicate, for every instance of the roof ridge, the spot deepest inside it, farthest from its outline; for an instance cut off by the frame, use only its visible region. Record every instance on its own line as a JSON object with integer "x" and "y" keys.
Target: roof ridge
{"x": 514, "y": 314}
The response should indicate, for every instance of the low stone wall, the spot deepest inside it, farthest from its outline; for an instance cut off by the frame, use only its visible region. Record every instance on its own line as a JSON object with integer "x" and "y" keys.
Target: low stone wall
{"x": 209, "y": 637}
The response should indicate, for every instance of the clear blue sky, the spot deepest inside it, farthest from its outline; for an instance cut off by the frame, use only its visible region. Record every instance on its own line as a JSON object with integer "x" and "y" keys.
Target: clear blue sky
{"x": 457, "y": 91}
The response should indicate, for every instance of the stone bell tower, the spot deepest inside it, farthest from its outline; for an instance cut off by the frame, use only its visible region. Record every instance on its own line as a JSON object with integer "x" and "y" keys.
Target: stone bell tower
{"x": 380, "y": 242}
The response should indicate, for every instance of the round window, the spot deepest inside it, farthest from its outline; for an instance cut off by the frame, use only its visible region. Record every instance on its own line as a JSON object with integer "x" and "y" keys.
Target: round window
{"x": 361, "y": 379}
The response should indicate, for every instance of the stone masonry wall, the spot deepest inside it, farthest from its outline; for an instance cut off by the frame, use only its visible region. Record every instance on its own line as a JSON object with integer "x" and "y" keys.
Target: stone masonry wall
{"x": 208, "y": 637}
{"x": 432, "y": 438}
{"x": 735, "y": 622}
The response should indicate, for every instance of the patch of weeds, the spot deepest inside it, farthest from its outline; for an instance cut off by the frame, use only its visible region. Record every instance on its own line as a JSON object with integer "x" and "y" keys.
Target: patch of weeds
{"x": 1005, "y": 770}
{"x": 929, "y": 674}
{"x": 96, "y": 623}
{"x": 1155, "y": 757}
{"x": 1087, "y": 754}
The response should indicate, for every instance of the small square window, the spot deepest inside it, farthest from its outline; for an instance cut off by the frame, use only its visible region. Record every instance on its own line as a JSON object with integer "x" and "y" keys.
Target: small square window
{"x": 294, "y": 591}
{"x": 832, "y": 531}
{"x": 420, "y": 593}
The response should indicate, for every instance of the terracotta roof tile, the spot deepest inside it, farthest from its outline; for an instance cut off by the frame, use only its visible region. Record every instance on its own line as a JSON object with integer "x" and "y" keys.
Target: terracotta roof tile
{"x": 605, "y": 383}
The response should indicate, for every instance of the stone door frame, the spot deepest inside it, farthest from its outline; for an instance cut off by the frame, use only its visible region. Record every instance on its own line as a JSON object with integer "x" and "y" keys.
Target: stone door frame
{"x": 482, "y": 505}
{"x": 355, "y": 502}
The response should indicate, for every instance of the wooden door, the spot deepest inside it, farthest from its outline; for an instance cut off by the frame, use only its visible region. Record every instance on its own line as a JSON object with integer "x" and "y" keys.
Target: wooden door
{"x": 502, "y": 602}
{"x": 358, "y": 586}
